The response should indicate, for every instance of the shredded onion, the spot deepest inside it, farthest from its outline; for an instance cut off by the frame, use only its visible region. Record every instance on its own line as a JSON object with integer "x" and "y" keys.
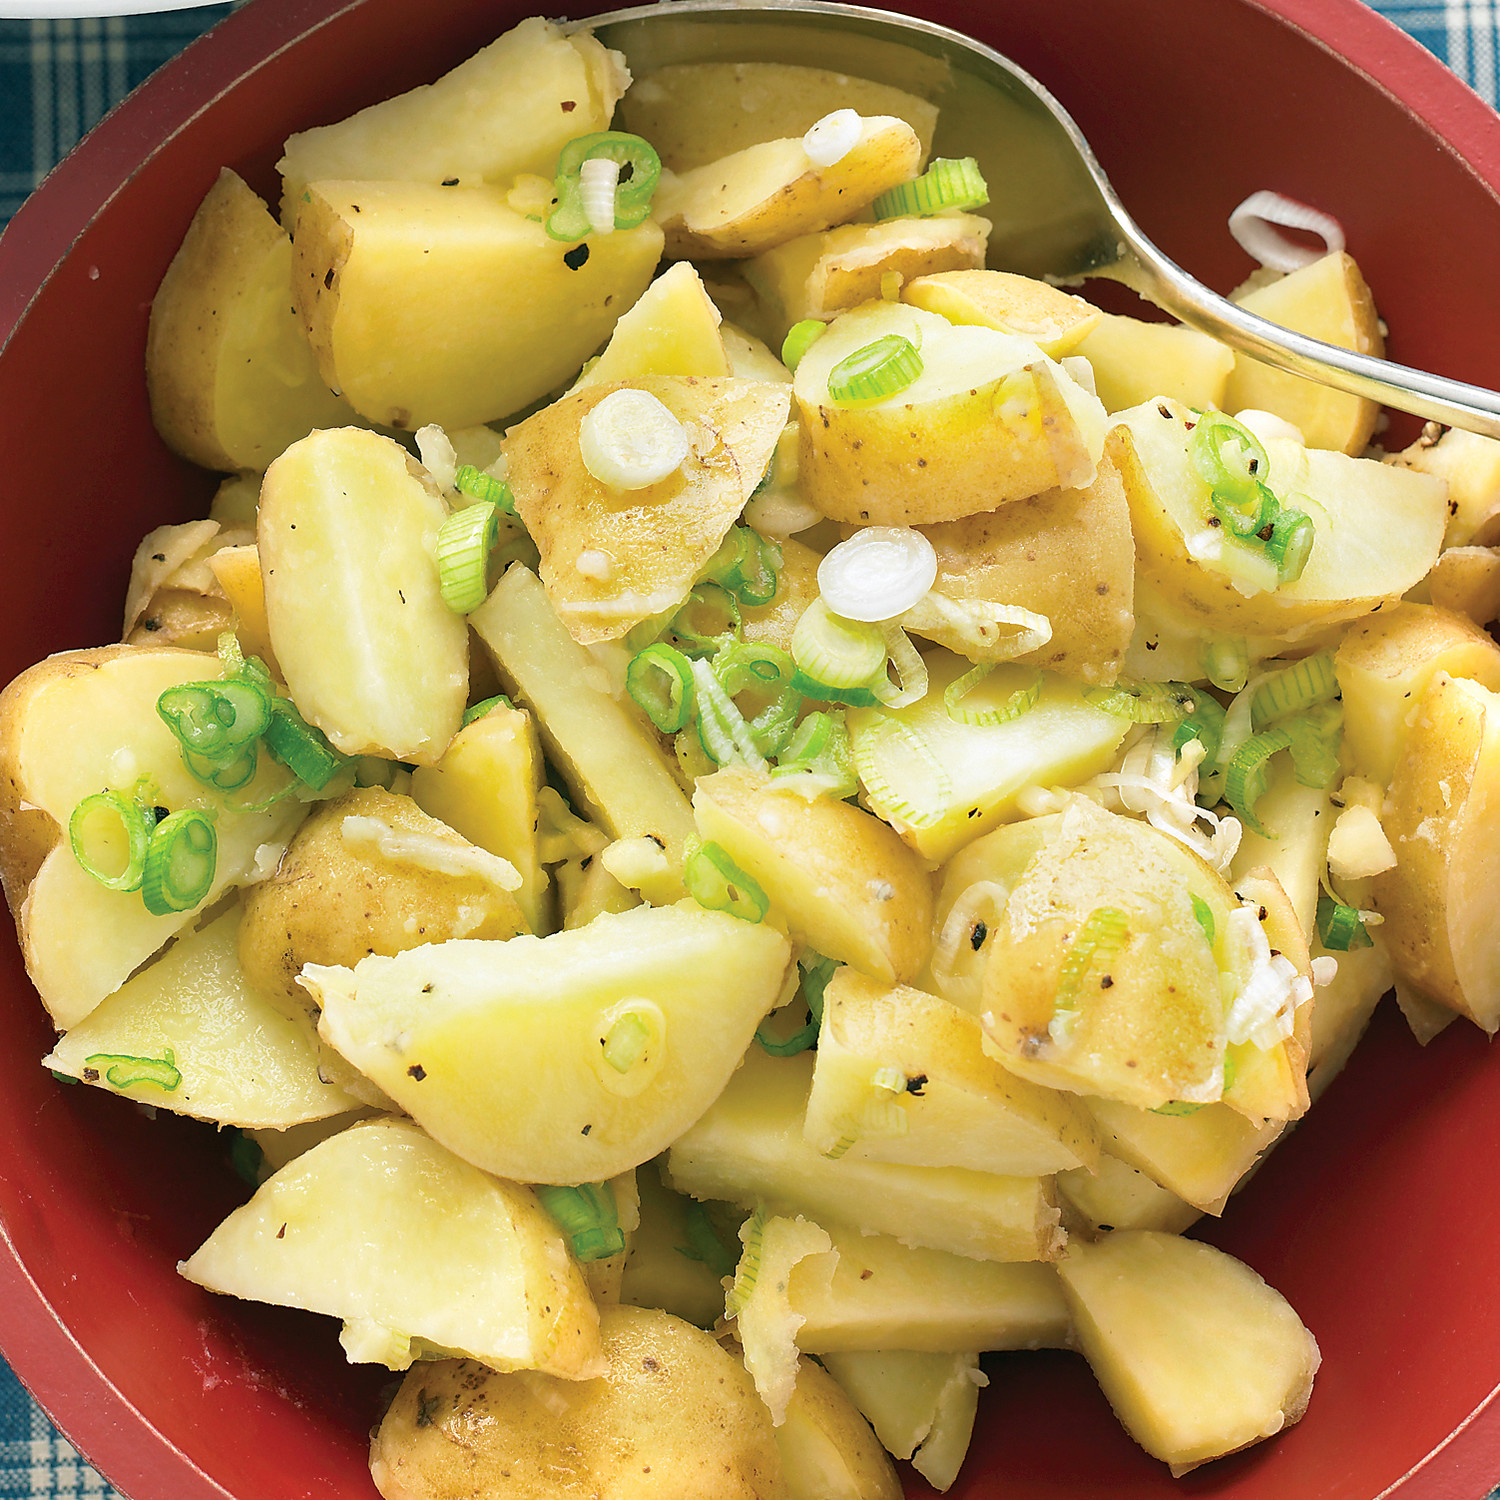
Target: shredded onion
{"x": 1255, "y": 225}
{"x": 978, "y": 624}
{"x": 879, "y": 573}
{"x": 833, "y": 137}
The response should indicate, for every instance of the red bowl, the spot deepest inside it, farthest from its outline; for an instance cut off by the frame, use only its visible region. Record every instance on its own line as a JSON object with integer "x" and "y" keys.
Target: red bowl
{"x": 1376, "y": 1220}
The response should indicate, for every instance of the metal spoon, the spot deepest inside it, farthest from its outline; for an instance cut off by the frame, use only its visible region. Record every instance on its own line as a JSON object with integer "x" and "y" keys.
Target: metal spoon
{"x": 1054, "y": 211}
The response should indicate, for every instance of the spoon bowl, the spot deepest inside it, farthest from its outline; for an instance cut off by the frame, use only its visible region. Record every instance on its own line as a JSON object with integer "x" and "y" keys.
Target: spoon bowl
{"x": 1055, "y": 214}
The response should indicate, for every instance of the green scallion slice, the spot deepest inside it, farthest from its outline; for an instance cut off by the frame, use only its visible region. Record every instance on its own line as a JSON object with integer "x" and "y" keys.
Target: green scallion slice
{"x": 1144, "y": 702}
{"x": 1315, "y": 737}
{"x": 1247, "y": 510}
{"x": 762, "y": 669}
{"x": 799, "y": 340}
{"x": 214, "y": 720}
{"x": 180, "y": 862}
{"x": 745, "y": 565}
{"x": 121, "y": 1070}
{"x": 301, "y": 748}
{"x": 1301, "y": 685}
{"x": 588, "y": 1216}
{"x": 1290, "y": 544}
{"x": 1205, "y": 723}
{"x": 108, "y": 830}
{"x": 660, "y": 680}
{"x": 704, "y": 1243}
{"x": 626, "y": 1043}
{"x": 463, "y": 552}
{"x": 1099, "y": 939}
{"x": 223, "y": 775}
{"x": 747, "y": 1272}
{"x": 1248, "y": 770}
{"x": 714, "y": 881}
{"x": 820, "y": 747}
{"x": 708, "y": 620}
{"x": 1204, "y": 916}
{"x": 726, "y": 737}
{"x": 1021, "y": 701}
{"x": 816, "y": 972}
{"x": 479, "y": 710}
{"x": 1177, "y": 1107}
{"x": 838, "y": 660}
{"x": 883, "y": 368}
{"x": 1226, "y": 662}
{"x": 950, "y": 182}
{"x": 1225, "y": 453}
{"x": 478, "y": 485}
{"x": 640, "y": 171}
{"x": 1340, "y": 927}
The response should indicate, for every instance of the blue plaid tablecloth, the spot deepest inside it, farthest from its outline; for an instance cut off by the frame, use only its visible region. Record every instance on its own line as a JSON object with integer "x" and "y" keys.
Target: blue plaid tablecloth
{"x": 57, "y": 79}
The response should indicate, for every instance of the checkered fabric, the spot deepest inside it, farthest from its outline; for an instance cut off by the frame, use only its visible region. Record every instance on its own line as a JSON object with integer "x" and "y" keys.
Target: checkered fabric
{"x": 57, "y": 79}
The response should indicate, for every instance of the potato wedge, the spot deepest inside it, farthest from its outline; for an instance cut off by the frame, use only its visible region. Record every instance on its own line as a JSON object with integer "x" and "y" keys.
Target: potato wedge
{"x": 989, "y": 420}
{"x": 819, "y": 275}
{"x": 764, "y": 195}
{"x": 339, "y": 893}
{"x": 232, "y": 378}
{"x": 563, "y": 1059}
{"x": 696, "y": 113}
{"x": 837, "y": 878}
{"x": 1467, "y": 581}
{"x": 1197, "y": 1355}
{"x": 372, "y": 654}
{"x": 1117, "y": 1196}
{"x": 1054, "y": 320}
{"x": 508, "y": 109}
{"x": 672, "y": 330}
{"x": 1470, "y": 466}
{"x": 828, "y": 1451}
{"x": 1327, "y": 300}
{"x": 348, "y": 1229}
{"x": 73, "y": 725}
{"x": 446, "y": 305}
{"x": 672, "y": 1413}
{"x": 1065, "y": 554}
{"x": 646, "y": 546}
{"x": 677, "y": 1256}
{"x": 1135, "y": 361}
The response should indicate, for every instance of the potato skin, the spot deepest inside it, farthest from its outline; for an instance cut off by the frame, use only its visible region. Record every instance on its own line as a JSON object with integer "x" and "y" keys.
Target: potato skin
{"x": 675, "y": 1416}
{"x": 329, "y": 903}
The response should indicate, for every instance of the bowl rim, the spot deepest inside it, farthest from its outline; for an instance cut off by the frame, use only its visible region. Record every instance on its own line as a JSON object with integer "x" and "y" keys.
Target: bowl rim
{"x": 112, "y": 1434}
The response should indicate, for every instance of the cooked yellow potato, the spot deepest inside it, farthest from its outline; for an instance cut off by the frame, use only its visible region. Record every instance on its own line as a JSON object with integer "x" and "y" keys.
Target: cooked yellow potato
{"x": 837, "y": 878}
{"x": 232, "y": 378}
{"x": 182, "y": 617}
{"x": 796, "y": 588}
{"x": 372, "y": 654}
{"x": 677, "y": 1254}
{"x": 563, "y": 1059}
{"x": 1297, "y": 820}
{"x": 237, "y": 570}
{"x": 191, "y": 1035}
{"x": 1117, "y": 1196}
{"x": 922, "y": 1406}
{"x": 1439, "y": 900}
{"x": 818, "y": 275}
{"x": 1052, "y": 319}
{"x": 75, "y": 724}
{"x": 508, "y": 109}
{"x": 605, "y": 749}
{"x": 1378, "y": 529}
{"x": 1467, "y": 581}
{"x": 1197, "y": 1355}
{"x": 485, "y": 788}
{"x": 1327, "y": 300}
{"x": 672, "y": 1414}
{"x": 340, "y": 893}
{"x": 348, "y": 1229}
{"x": 175, "y": 560}
{"x": 748, "y": 1149}
{"x": 1384, "y": 665}
{"x": 764, "y": 195}
{"x": 954, "y": 1107}
{"x": 989, "y": 420}
{"x": 1100, "y": 978}
{"x": 827, "y": 1449}
{"x": 695, "y": 113}
{"x": 610, "y": 557}
{"x": 1065, "y": 554}
{"x": 1135, "y": 362}
{"x": 672, "y": 330}
{"x": 1470, "y": 466}
{"x": 967, "y": 777}
{"x": 446, "y": 305}
{"x": 1343, "y": 1009}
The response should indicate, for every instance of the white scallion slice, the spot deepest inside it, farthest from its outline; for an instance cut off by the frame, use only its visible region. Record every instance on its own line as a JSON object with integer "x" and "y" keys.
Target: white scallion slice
{"x": 893, "y": 755}
{"x": 987, "y": 629}
{"x": 1257, "y": 223}
{"x": 910, "y": 668}
{"x": 878, "y": 573}
{"x": 833, "y": 137}
{"x": 598, "y": 178}
{"x": 630, "y": 440}
{"x": 463, "y": 550}
{"x": 949, "y": 183}
{"x": 838, "y": 660}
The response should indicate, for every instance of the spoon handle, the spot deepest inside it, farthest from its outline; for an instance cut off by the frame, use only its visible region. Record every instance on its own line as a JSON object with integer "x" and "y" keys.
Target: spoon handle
{"x": 1434, "y": 397}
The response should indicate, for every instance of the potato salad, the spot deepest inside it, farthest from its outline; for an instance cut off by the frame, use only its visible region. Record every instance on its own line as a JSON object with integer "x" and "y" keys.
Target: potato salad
{"x": 733, "y": 809}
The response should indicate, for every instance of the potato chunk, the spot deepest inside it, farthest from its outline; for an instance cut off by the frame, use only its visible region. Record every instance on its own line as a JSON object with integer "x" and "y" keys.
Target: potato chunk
{"x": 1052, "y": 319}
{"x": 1135, "y": 361}
{"x": 433, "y": 304}
{"x": 672, "y": 330}
{"x": 837, "y": 878}
{"x": 989, "y": 420}
{"x": 349, "y": 1228}
{"x": 1197, "y": 1355}
{"x": 760, "y": 197}
{"x": 337, "y": 896}
{"x": 508, "y": 109}
{"x": 645, "y": 548}
{"x": 828, "y": 1451}
{"x": 372, "y": 655}
{"x": 563, "y": 1059}
{"x": 232, "y": 378}
{"x": 673, "y": 1414}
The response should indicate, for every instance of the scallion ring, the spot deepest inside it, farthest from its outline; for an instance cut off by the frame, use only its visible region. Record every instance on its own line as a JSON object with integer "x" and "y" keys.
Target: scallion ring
{"x": 1340, "y": 927}
{"x": 109, "y": 828}
{"x": 1301, "y": 685}
{"x": 463, "y": 550}
{"x": 1291, "y": 543}
{"x": 639, "y": 173}
{"x": 714, "y": 881}
{"x": 1144, "y": 702}
{"x": 180, "y": 862}
{"x": 838, "y": 660}
{"x": 1020, "y": 701}
{"x": 799, "y": 340}
{"x": 660, "y": 680}
{"x": 885, "y": 367}
{"x": 878, "y": 573}
{"x": 301, "y": 748}
{"x": 478, "y": 485}
{"x": 588, "y": 1216}
{"x": 1246, "y": 775}
{"x": 214, "y": 720}
{"x": 949, "y": 183}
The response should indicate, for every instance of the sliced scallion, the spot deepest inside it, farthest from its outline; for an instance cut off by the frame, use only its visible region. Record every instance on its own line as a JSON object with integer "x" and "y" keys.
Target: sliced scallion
{"x": 299, "y": 746}
{"x": 213, "y": 720}
{"x": 1204, "y": 916}
{"x": 660, "y": 680}
{"x": 1144, "y": 702}
{"x": 725, "y": 735}
{"x": 1301, "y": 685}
{"x": 1315, "y": 736}
{"x": 1226, "y": 453}
{"x": 816, "y": 972}
{"x": 588, "y": 1216}
{"x": 225, "y": 775}
{"x": 640, "y": 171}
{"x": 708, "y": 619}
{"x": 910, "y": 668}
{"x": 1205, "y": 724}
{"x": 180, "y": 862}
{"x": 704, "y": 1243}
{"x": 949, "y": 183}
{"x": 747, "y": 1272}
{"x": 1340, "y": 927}
{"x": 479, "y": 710}
{"x": 1248, "y": 771}
{"x": 464, "y": 542}
{"x": 799, "y": 340}
{"x": 122, "y": 1071}
{"x": 904, "y": 776}
{"x": 626, "y": 1043}
{"x": 838, "y": 660}
{"x": 885, "y": 367}
{"x": 714, "y": 881}
{"x": 820, "y": 747}
{"x": 107, "y": 829}
{"x": 478, "y": 485}
{"x": 1290, "y": 544}
{"x": 1226, "y": 662}
{"x": 1021, "y": 701}
{"x": 1102, "y": 935}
